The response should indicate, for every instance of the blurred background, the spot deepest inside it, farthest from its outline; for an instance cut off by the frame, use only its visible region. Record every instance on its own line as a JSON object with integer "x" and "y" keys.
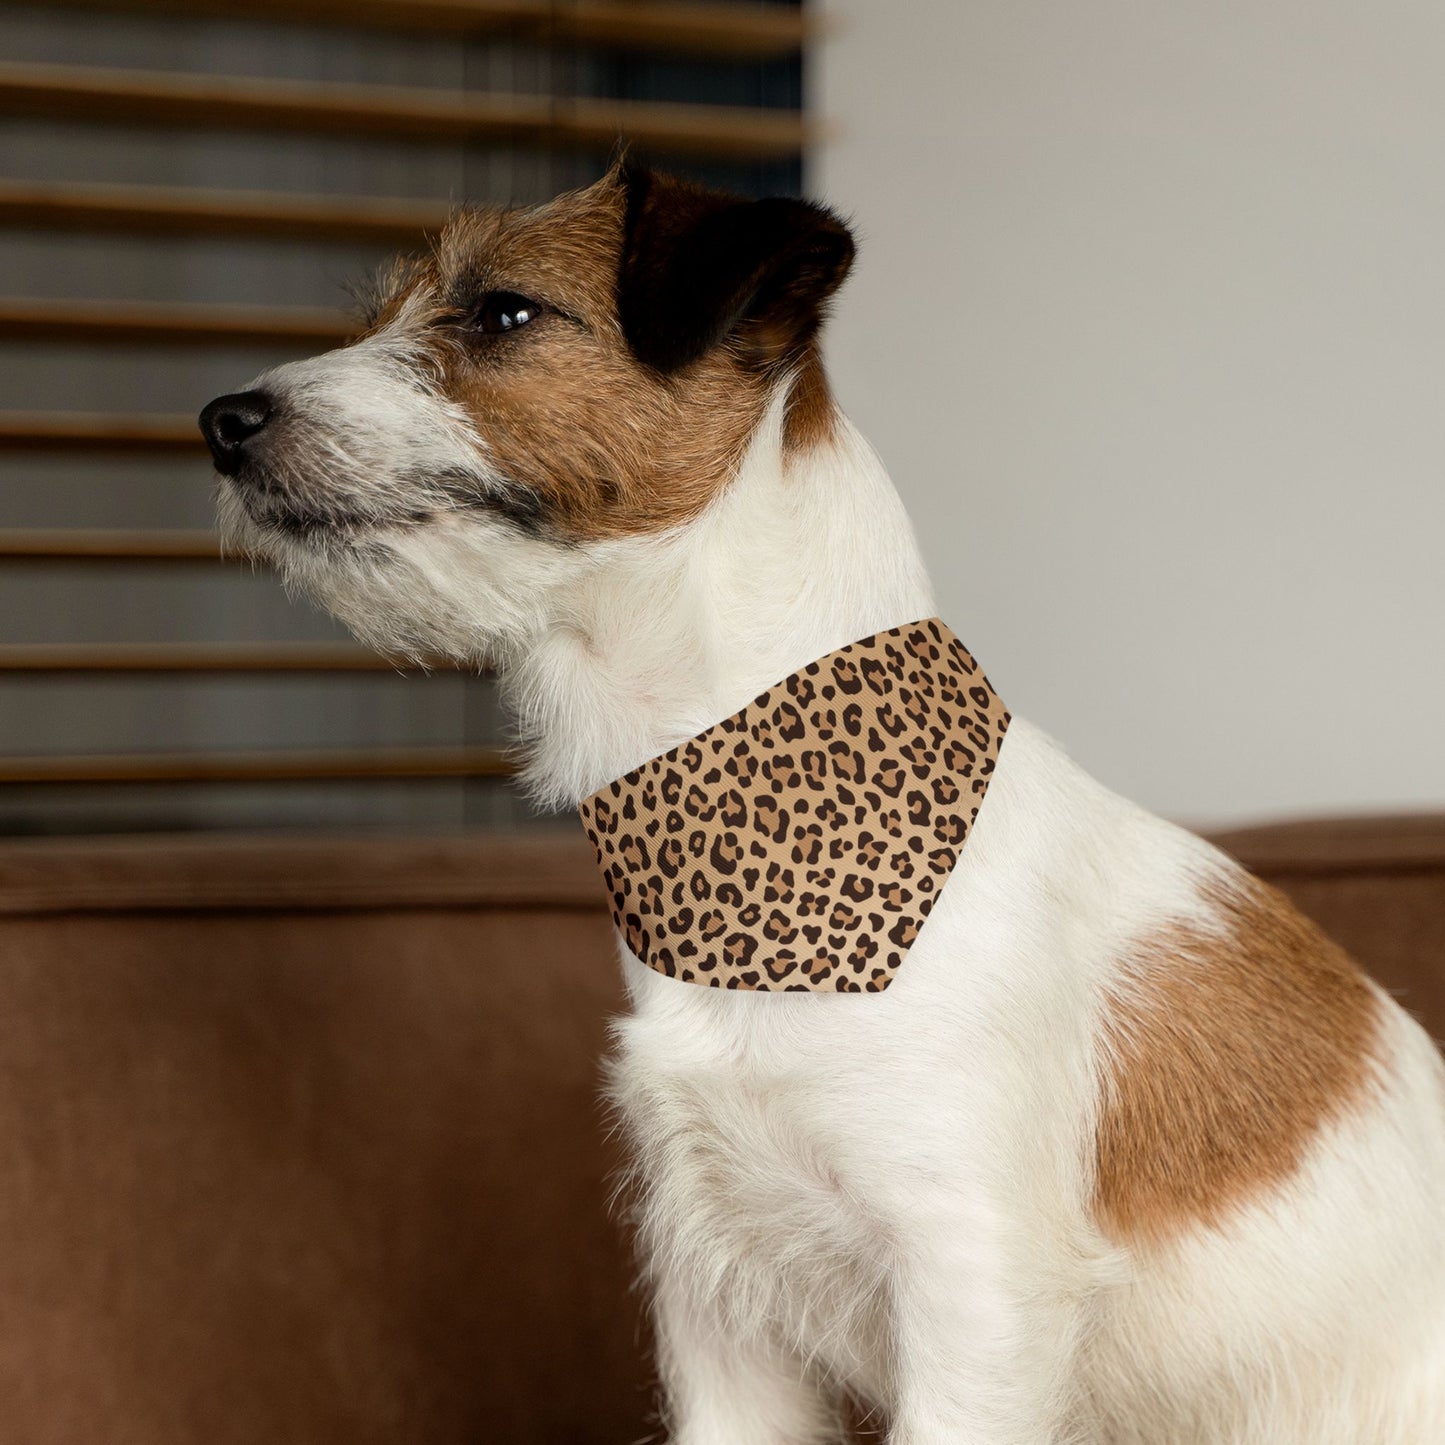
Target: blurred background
{"x": 301, "y": 1009}
{"x": 1149, "y": 324}
{"x": 187, "y": 193}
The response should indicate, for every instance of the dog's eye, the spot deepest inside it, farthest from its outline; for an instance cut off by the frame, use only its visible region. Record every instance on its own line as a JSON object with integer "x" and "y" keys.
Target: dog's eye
{"x": 504, "y": 311}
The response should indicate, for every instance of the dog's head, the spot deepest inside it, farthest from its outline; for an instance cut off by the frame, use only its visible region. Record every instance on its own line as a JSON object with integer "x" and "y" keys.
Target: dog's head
{"x": 542, "y": 384}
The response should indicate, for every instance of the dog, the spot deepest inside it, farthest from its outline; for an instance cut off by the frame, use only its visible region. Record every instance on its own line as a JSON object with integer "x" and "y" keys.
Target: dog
{"x": 1127, "y": 1152}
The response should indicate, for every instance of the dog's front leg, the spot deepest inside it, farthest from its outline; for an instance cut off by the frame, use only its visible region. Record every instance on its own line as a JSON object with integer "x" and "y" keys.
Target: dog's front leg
{"x": 985, "y": 1339}
{"x": 725, "y": 1387}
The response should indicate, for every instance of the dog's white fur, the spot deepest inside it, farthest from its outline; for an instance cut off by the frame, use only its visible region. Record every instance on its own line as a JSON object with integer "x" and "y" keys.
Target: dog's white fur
{"x": 891, "y": 1193}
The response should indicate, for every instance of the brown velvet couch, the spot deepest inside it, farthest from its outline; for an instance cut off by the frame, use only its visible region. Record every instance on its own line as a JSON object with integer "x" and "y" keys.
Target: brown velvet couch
{"x": 302, "y": 1143}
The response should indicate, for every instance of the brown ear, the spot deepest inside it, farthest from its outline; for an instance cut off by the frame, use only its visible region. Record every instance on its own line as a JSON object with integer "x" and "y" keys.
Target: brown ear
{"x": 699, "y": 266}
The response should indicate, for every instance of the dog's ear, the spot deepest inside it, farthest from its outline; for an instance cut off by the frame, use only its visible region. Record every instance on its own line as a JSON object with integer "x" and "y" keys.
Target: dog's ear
{"x": 699, "y": 266}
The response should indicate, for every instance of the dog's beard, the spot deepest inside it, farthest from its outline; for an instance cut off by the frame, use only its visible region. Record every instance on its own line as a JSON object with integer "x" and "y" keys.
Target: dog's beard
{"x": 312, "y": 490}
{"x": 456, "y": 575}
{"x": 372, "y": 492}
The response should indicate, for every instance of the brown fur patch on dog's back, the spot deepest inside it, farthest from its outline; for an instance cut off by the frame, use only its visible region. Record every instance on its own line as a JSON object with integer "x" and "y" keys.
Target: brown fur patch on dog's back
{"x": 1227, "y": 1052}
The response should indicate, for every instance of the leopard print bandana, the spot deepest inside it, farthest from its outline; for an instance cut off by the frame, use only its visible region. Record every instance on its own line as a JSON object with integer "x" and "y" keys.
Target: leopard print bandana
{"x": 799, "y": 844}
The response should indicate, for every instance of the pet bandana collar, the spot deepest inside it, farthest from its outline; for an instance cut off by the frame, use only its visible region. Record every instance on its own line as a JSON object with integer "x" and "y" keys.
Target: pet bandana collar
{"x": 799, "y": 844}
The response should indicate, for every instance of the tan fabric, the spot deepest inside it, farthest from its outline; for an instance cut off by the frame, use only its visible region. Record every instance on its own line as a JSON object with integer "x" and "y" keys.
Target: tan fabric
{"x": 290, "y": 1160}
{"x": 799, "y": 844}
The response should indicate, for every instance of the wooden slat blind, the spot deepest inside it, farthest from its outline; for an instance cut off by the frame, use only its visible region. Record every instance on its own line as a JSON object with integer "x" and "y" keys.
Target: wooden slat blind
{"x": 723, "y": 30}
{"x": 82, "y": 431}
{"x": 222, "y": 102}
{"x": 228, "y": 104}
{"x": 190, "y": 657}
{"x": 171, "y": 211}
{"x": 172, "y": 324}
{"x": 88, "y": 544}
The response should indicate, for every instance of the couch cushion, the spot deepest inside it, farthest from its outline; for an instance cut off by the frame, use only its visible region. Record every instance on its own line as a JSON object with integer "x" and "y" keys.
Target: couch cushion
{"x": 302, "y": 1143}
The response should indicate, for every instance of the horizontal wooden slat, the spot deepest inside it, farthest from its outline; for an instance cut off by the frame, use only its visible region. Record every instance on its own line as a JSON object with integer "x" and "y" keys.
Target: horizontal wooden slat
{"x": 705, "y": 28}
{"x": 331, "y": 765}
{"x": 756, "y": 32}
{"x": 171, "y": 323}
{"x": 174, "y": 211}
{"x": 220, "y": 102}
{"x": 187, "y": 657}
{"x": 78, "y": 544}
{"x": 83, "y": 431}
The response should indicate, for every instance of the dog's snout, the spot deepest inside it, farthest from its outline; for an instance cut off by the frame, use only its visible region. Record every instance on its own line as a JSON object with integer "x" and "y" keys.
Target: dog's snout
{"x": 229, "y": 422}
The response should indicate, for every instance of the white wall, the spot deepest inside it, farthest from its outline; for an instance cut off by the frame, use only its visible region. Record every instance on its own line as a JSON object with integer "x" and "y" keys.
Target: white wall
{"x": 1149, "y": 324}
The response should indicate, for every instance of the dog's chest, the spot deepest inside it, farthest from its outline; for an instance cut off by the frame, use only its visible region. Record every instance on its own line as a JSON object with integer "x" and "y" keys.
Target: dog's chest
{"x": 747, "y": 1175}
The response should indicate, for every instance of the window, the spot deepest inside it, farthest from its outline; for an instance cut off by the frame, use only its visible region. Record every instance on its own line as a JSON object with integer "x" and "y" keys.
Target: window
{"x": 185, "y": 193}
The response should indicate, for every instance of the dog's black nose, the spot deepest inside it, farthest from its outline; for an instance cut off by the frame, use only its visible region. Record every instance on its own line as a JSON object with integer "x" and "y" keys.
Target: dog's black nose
{"x": 229, "y": 422}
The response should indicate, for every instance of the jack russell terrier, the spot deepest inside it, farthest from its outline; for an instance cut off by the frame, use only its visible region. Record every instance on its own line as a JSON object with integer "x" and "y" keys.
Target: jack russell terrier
{"x": 1116, "y": 1147}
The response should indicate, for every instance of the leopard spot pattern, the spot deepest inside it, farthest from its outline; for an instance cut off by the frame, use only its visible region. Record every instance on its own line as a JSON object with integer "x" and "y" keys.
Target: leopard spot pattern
{"x": 800, "y": 844}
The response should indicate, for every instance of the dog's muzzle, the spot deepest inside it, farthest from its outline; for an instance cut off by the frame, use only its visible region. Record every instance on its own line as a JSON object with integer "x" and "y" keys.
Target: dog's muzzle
{"x": 231, "y": 423}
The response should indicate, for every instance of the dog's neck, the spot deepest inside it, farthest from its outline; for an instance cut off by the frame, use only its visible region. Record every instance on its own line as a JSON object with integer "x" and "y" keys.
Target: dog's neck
{"x": 802, "y": 554}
